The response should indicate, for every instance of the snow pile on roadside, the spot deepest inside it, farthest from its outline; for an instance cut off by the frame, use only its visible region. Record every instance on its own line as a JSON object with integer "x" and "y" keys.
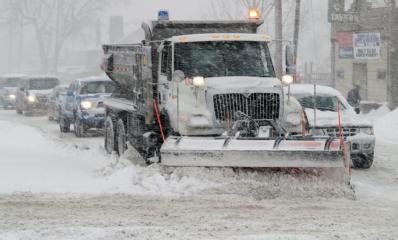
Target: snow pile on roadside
{"x": 386, "y": 127}
{"x": 375, "y": 114}
{"x": 33, "y": 162}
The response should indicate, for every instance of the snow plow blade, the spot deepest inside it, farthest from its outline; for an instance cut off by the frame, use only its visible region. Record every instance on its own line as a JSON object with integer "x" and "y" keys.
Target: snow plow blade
{"x": 254, "y": 153}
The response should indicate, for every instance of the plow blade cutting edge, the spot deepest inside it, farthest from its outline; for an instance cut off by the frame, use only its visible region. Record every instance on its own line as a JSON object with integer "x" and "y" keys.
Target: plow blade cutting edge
{"x": 205, "y": 152}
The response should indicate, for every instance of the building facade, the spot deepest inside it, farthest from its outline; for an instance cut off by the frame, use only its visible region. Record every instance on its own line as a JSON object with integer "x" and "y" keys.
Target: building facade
{"x": 364, "y": 49}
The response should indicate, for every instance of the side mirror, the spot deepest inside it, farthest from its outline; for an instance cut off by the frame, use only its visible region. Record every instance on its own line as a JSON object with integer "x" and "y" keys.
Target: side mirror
{"x": 178, "y": 76}
{"x": 357, "y": 110}
{"x": 69, "y": 93}
{"x": 290, "y": 66}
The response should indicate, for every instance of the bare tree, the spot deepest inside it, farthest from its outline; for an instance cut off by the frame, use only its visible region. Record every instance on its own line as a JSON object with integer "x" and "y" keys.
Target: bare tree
{"x": 53, "y": 22}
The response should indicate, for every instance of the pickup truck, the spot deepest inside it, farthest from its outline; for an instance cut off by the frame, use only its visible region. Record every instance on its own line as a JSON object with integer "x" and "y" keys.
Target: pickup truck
{"x": 84, "y": 104}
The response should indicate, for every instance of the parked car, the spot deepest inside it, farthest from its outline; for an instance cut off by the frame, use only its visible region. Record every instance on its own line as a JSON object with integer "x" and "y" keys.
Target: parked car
{"x": 56, "y": 100}
{"x": 8, "y": 89}
{"x": 84, "y": 104}
{"x": 33, "y": 94}
{"x": 324, "y": 121}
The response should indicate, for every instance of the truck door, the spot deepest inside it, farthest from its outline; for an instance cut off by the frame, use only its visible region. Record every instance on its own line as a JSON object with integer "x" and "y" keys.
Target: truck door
{"x": 70, "y": 99}
{"x": 165, "y": 76}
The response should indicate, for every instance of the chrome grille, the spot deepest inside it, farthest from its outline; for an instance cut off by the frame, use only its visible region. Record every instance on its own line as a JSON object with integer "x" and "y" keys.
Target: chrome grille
{"x": 258, "y": 106}
{"x": 42, "y": 99}
{"x": 347, "y": 132}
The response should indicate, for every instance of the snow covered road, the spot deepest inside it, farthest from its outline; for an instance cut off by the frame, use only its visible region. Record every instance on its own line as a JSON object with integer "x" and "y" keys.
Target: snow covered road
{"x": 54, "y": 186}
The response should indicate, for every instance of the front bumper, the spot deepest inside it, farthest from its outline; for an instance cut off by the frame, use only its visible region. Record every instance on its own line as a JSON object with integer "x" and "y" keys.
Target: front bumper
{"x": 362, "y": 145}
{"x": 36, "y": 107}
{"x": 92, "y": 118}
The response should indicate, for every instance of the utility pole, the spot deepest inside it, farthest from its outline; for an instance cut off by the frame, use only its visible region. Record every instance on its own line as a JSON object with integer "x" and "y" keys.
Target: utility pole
{"x": 278, "y": 39}
{"x": 296, "y": 36}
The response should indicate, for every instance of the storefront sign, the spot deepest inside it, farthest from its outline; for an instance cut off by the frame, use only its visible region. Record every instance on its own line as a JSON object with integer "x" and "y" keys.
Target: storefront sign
{"x": 367, "y": 46}
{"x": 338, "y": 14}
{"x": 345, "y": 42}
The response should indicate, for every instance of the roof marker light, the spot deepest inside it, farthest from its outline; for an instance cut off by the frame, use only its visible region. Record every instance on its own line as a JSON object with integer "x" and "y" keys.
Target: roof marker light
{"x": 254, "y": 14}
{"x": 163, "y": 15}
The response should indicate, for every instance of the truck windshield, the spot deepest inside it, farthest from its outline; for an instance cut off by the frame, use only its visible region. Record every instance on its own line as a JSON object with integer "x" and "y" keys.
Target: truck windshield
{"x": 224, "y": 58}
{"x": 97, "y": 87}
{"x": 323, "y": 103}
{"x": 9, "y": 82}
{"x": 43, "y": 84}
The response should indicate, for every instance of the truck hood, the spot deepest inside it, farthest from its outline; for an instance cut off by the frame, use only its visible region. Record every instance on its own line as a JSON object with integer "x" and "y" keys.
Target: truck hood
{"x": 242, "y": 82}
{"x": 328, "y": 119}
{"x": 95, "y": 97}
{"x": 46, "y": 92}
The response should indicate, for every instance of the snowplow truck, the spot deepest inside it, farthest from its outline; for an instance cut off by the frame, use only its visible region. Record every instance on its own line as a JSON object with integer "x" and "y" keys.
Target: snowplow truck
{"x": 204, "y": 93}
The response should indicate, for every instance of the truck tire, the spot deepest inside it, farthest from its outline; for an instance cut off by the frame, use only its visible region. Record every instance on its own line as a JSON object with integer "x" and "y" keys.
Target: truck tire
{"x": 363, "y": 162}
{"x": 18, "y": 111}
{"x": 109, "y": 139}
{"x": 79, "y": 128}
{"x": 64, "y": 125}
{"x": 121, "y": 137}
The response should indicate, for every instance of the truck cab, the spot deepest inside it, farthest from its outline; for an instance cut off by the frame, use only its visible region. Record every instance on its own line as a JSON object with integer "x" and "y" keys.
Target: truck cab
{"x": 208, "y": 81}
{"x": 8, "y": 90}
{"x": 33, "y": 94}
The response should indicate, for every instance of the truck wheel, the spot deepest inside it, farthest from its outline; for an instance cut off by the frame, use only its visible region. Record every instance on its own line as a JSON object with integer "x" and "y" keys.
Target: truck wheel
{"x": 79, "y": 128}
{"x": 121, "y": 137}
{"x": 109, "y": 143}
{"x": 64, "y": 125}
{"x": 19, "y": 111}
{"x": 363, "y": 162}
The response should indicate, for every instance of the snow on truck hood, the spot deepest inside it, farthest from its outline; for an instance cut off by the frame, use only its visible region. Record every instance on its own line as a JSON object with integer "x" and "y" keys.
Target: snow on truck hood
{"x": 330, "y": 119}
{"x": 40, "y": 92}
{"x": 242, "y": 82}
{"x": 95, "y": 97}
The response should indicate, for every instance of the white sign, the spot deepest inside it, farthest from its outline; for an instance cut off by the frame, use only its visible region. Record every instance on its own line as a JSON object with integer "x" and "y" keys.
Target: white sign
{"x": 367, "y": 46}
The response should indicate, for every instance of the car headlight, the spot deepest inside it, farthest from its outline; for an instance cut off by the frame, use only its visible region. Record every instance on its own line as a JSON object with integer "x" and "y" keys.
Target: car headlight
{"x": 198, "y": 81}
{"x": 287, "y": 79}
{"x": 86, "y": 104}
{"x": 31, "y": 98}
{"x": 12, "y": 96}
{"x": 368, "y": 130}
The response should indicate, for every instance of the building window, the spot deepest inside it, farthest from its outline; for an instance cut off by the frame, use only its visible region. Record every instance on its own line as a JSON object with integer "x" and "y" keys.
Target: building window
{"x": 381, "y": 74}
{"x": 340, "y": 74}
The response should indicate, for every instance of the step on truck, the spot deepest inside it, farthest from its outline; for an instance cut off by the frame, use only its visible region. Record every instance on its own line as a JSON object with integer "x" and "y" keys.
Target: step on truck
{"x": 205, "y": 93}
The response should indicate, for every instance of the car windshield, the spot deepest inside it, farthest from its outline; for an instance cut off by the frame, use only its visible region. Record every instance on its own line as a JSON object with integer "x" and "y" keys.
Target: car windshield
{"x": 9, "y": 82}
{"x": 223, "y": 58}
{"x": 323, "y": 103}
{"x": 43, "y": 84}
{"x": 97, "y": 87}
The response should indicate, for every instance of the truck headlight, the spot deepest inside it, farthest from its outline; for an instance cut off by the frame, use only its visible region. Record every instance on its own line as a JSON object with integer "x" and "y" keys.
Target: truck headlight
{"x": 198, "y": 81}
{"x": 31, "y": 98}
{"x": 287, "y": 79}
{"x": 368, "y": 130}
{"x": 12, "y": 96}
{"x": 86, "y": 105}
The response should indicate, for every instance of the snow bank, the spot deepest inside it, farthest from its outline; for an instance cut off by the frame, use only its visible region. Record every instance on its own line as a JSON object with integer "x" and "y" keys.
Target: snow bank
{"x": 33, "y": 162}
{"x": 41, "y": 160}
{"x": 386, "y": 127}
{"x": 375, "y": 114}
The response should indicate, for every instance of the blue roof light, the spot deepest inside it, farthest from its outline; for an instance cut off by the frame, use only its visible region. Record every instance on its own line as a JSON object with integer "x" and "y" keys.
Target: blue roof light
{"x": 163, "y": 15}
